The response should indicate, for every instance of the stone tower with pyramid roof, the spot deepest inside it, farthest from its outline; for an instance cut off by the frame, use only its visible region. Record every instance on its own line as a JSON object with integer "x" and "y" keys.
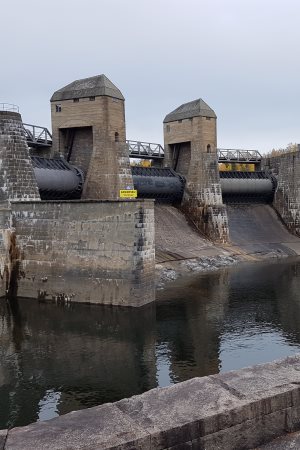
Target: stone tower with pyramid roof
{"x": 88, "y": 128}
{"x": 190, "y": 140}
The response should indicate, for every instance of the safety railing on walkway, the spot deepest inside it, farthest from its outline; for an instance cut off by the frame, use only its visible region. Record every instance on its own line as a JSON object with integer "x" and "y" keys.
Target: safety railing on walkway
{"x": 37, "y": 136}
{"x": 145, "y": 150}
{"x": 9, "y": 107}
{"x": 239, "y": 156}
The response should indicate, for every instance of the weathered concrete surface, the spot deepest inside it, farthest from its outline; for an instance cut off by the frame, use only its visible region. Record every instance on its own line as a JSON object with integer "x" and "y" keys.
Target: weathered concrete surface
{"x": 257, "y": 230}
{"x": 181, "y": 250}
{"x": 236, "y": 410}
{"x": 180, "y": 413}
{"x": 17, "y": 180}
{"x": 3, "y": 435}
{"x": 95, "y": 252}
{"x": 286, "y": 201}
{"x": 95, "y": 428}
{"x": 176, "y": 239}
{"x": 5, "y": 245}
{"x": 288, "y": 442}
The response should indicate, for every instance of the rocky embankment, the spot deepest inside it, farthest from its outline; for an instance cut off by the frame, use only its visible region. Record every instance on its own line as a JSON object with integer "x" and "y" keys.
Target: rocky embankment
{"x": 172, "y": 270}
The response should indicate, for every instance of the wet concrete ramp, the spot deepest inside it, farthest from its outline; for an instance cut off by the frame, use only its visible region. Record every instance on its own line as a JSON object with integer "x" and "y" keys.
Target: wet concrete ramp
{"x": 257, "y": 229}
{"x": 175, "y": 237}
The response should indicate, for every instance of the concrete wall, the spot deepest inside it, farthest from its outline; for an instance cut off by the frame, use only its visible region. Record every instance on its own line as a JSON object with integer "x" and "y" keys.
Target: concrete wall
{"x": 98, "y": 252}
{"x": 7, "y": 236}
{"x": 202, "y": 201}
{"x": 231, "y": 411}
{"x": 107, "y": 168}
{"x": 105, "y": 112}
{"x": 17, "y": 180}
{"x": 197, "y": 129}
{"x": 286, "y": 201}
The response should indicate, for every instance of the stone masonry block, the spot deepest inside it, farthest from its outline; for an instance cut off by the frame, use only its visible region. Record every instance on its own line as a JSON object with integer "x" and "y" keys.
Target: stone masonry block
{"x": 88, "y": 251}
{"x": 177, "y": 414}
{"x": 104, "y": 427}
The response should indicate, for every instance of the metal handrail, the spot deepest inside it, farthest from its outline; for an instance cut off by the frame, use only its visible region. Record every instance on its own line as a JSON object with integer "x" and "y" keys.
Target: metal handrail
{"x": 9, "y": 107}
{"x": 238, "y": 155}
{"x": 37, "y": 136}
{"x": 138, "y": 149}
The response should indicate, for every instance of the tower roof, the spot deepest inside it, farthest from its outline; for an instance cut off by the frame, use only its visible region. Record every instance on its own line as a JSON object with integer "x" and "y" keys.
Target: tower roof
{"x": 191, "y": 109}
{"x": 88, "y": 87}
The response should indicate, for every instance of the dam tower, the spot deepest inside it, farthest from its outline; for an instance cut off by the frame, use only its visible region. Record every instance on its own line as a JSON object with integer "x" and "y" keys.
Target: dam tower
{"x": 190, "y": 141}
{"x": 88, "y": 128}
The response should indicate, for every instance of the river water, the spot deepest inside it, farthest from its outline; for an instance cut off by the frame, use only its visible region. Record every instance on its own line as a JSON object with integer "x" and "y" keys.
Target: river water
{"x": 55, "y": 358}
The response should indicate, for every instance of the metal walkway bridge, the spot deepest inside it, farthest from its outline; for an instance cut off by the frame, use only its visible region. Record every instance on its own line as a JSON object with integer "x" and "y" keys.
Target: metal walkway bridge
{"x": 239, "y": 156}
{"x": 38, "y": 137}
{"x": 146, "y": 150}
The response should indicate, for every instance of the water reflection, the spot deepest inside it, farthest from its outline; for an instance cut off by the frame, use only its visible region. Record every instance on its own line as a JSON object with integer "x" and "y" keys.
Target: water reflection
{"x": 55, "y": 359}
{"x": 189, "y": 318}
{"x": 82, "y": 355}
{"x": 48, "y": 405}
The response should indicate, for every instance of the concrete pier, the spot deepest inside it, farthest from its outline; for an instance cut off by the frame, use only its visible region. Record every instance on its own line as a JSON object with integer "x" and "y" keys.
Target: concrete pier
{"x": 85, "y": 251}
{"x": 235, "y": 410}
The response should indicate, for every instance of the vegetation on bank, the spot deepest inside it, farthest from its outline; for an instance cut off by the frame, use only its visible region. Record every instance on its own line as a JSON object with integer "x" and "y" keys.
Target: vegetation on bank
{"x": 290, "y": 148}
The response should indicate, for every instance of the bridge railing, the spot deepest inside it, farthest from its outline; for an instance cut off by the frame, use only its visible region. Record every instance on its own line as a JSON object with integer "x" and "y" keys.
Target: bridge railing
{"x": 9, "y": 107}
{"x": 237, "y": 155}
{"x": 37, "y": 136}
{"x": 145, "y": 150}
{"x": 41, "y": 137}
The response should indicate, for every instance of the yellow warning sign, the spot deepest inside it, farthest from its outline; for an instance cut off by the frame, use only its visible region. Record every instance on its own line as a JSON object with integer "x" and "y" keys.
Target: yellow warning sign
{"x": 128, "y": 193}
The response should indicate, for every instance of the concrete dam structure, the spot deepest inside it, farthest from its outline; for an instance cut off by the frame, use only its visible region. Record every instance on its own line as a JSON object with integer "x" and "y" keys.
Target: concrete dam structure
{"x": 98, "y": 248}
{"x": 67, "y": 233}
{"x": 241, "y": 205}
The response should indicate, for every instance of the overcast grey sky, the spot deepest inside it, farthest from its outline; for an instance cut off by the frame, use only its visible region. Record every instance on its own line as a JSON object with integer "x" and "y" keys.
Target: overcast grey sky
{"x": 240, "y": 56}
